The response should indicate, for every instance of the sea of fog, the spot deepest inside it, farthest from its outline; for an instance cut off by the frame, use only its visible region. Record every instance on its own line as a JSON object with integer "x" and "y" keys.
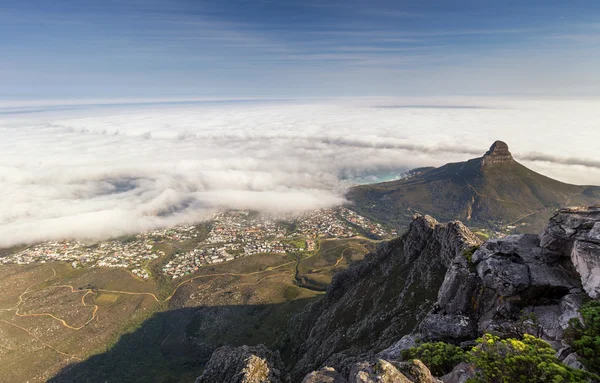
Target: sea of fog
{"x": 97, "y": 170}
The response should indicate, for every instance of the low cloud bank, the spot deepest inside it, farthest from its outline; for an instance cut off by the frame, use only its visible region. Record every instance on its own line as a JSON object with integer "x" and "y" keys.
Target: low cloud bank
{"x": 93, "y": 173}
{"x": 561, "y": 160}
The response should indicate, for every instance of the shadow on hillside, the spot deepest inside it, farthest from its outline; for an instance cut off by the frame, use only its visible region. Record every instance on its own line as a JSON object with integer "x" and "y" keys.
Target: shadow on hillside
{"x": 174, "y": 346}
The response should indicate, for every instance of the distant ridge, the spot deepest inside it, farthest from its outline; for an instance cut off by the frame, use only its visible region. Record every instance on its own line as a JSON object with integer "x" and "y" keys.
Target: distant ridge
{"x": 493, "y": 191}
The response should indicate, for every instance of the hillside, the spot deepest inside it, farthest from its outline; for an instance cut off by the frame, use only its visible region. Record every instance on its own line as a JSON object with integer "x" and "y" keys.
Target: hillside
{"x": 437, "y": 282}
{"x": 494, "y": 192}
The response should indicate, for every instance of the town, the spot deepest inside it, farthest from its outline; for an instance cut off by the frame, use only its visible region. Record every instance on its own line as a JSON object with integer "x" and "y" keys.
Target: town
{"x": 232, "y": 234}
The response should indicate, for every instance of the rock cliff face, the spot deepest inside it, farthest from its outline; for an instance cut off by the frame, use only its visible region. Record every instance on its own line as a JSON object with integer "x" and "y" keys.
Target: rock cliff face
{"x": 436, "y": 282}
{"x": 507, "y": 279}
{"x": 375, "y": 302}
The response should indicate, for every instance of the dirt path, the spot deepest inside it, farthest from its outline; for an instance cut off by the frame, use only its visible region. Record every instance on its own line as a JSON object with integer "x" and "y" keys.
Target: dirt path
{"x": 525, "y": 216}
{"x": 62, "y": 321}
{"x": 27, "y": 290}
{"x": 94, "y": 291}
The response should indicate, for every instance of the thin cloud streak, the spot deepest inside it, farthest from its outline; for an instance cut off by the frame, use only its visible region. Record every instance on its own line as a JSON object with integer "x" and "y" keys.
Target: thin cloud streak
{"x": 560, "y": 160}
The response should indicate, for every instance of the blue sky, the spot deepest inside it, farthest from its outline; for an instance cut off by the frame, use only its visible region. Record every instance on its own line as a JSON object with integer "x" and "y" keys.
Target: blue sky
{"x": 55, "y": 49}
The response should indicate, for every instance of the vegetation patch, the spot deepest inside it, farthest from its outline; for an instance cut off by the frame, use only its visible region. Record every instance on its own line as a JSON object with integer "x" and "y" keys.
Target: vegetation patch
{"x": 291, "y": 293}
{"x": 298, "y": 243}
{"x": 468, "y": 255}
{"x": 529, "y": 360}
{"x": 482, "y": 235}
{"x": 496, "y": 360}
{"x": 164, "y": 284}
{"x": 439, "y": 357}
{"x": 584, "y": 336}
{"x": 107, "y": 298}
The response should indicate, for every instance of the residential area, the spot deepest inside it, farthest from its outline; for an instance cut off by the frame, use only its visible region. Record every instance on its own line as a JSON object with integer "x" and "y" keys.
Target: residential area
{"x": 232, "y": 234}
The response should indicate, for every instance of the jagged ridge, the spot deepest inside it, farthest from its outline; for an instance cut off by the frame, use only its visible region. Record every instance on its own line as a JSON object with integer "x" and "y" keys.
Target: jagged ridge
{"x": 378, "y": 300}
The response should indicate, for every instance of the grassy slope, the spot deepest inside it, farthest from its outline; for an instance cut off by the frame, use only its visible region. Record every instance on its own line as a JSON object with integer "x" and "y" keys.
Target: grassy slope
{"x": 316, "y": 271}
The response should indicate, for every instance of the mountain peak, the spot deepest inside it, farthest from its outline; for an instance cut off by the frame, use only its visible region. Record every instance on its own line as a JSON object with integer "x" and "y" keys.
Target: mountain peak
{"x": 498, "y": 148}
{"x": 497, "y": 154}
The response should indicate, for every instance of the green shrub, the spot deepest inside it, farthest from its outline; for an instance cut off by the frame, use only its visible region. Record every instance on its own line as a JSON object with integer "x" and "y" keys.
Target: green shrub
{"x": 468, "y": 254}
{"x": 529, "y": 360}
{"x": 439, "y": 357}
{"x": 585, "y": 337}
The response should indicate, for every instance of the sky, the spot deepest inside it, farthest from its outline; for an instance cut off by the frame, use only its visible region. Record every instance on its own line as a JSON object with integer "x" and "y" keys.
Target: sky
{"x": 240, "y": 49}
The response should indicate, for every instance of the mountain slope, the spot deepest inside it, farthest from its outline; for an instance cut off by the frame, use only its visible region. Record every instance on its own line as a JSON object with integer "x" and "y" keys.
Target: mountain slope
{"x": 493, "y": 191}
{"x": 376, "y": 301}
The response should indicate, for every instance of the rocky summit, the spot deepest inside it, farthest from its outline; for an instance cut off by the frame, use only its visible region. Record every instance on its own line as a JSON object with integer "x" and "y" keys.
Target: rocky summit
{"x": 498, "y": 154}
{"x": 438, "y": 282}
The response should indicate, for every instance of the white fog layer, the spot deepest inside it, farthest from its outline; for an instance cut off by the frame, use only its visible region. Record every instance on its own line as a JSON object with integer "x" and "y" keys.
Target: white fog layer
{"x": 96, "y": 172}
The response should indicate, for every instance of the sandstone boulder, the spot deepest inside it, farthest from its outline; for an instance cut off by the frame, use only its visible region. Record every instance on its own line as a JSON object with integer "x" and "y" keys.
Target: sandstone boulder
{"x": 324, "y": 375}
{"x": 244, "y": 364}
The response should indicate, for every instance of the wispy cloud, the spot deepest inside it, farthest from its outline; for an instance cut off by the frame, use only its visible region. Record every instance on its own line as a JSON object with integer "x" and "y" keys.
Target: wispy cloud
{"x": 554, "y": 159}
{"x": 133, "y": 48}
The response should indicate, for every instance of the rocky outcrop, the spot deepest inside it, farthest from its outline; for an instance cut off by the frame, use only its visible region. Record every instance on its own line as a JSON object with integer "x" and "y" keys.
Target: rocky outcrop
{"x": 416, "y": 371}
{"x": 375, "y": 302}
{"x": 324, "y": 375}
{"x": 395, "y": 350}
{"x": 460, "y": 374}
{"x": 377, "y": 371}
{"x": 512, "y": 285}
{"x": 244, "y": 365}
{"x": 575, "y": 233}
{"x": 521, "y": 283}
